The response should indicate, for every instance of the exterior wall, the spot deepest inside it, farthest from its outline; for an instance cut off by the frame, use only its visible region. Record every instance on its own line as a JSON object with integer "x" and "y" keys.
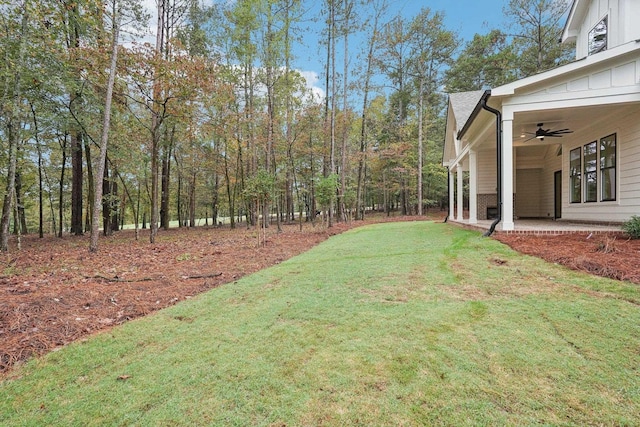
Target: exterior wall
{"x": 627, "y": 203}
{"x": 487, "y": 178}
{"x": 485, "y": 201}
{"x": 622, "y": 16}
{"x": 487, "y": 173}
{"x": 615, "y": 74}
{"x": 552, "y": 164}
{"x": 528, "y": 189}
{"x": 535, "y": 183}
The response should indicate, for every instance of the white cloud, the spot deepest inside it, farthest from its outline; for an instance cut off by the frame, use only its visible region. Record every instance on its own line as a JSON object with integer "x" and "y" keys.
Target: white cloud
{"x": 313, "y": 84}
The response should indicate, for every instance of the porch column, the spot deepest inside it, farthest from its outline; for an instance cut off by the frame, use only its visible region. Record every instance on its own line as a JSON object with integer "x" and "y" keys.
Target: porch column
{"x": 473, "y": 187}
{"x": 452, "y": 201}
{"x": 459, "y": 177}
{"x": 507, "y": 172}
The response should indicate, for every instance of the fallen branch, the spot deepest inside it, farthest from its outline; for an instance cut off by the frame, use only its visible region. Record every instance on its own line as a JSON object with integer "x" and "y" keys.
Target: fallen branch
{"x": 203, "y": 276}
{"x": 117, "y": 279}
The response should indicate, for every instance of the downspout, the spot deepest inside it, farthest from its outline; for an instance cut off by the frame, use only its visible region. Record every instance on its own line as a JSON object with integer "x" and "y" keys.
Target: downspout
{"x": 499, "y": 160}
{"x": 446, "y": 218}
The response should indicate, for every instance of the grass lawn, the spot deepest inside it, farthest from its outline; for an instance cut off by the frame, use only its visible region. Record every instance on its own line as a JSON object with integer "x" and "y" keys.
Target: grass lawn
{"x": 397, "y": 324}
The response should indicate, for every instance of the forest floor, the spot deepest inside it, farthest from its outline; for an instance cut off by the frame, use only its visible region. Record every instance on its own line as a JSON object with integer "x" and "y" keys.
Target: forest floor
{"x": 53, "y": 291}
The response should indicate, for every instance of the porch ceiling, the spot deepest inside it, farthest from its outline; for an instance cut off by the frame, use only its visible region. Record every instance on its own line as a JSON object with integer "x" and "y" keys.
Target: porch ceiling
{"x": 587, "y": 122}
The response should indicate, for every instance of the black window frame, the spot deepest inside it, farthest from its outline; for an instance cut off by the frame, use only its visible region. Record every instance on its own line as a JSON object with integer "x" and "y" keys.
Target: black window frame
{"x": 575, "y": 175}
{"x": 590, "y": 163}
{"x": 604, "y": 168}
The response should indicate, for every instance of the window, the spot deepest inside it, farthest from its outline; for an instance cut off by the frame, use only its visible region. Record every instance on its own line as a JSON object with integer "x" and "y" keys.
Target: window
{"x": 598, "y": 37}
{"x": 591, "y": 172}
{"x": 608, "y": 168}
{"x": 575, "y": 160}
{"x": 592, "y": 163}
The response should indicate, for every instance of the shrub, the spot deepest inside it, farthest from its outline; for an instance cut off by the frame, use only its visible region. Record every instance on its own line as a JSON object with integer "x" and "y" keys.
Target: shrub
{"x": 632, "y": 227}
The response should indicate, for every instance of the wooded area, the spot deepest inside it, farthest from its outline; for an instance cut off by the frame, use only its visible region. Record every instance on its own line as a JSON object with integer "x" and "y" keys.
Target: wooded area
{"x": 215, "y": 119}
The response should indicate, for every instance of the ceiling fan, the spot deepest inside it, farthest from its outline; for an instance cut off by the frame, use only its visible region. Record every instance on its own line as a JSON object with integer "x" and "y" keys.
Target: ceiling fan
{"x": 541, "y": 134}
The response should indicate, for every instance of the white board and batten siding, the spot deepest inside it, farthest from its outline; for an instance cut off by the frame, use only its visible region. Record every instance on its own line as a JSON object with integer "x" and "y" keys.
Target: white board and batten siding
{"x": 622, "y": 17}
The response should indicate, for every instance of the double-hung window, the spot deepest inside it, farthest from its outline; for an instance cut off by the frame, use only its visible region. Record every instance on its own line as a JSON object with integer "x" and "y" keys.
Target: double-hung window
{"x": 608, "y": 168}
{"x": 592, "y": 171}
{"x": 575, "y": 174}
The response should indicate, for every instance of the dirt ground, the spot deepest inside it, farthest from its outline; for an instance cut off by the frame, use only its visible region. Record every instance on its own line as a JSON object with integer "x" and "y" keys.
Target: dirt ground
{"x": 53, "y": 291}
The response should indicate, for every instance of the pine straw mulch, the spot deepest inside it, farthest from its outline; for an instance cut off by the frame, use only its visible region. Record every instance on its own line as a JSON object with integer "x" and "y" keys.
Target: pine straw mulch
{"x": 53, "y": 291}
{"x": 611, "y": 255}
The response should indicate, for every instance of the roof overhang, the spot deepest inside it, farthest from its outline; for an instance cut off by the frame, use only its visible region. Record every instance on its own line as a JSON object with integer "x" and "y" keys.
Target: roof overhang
{"x": 577, "y": 13}
{"x": 565, "y": 70}
{"x": 485, "y": 96}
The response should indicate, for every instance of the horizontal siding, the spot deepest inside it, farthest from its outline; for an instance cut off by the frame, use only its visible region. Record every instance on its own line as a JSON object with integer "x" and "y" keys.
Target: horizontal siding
{"x": 487, "y": 172}
{"x": 552, "y": 163}
{"x": 627, "y": 130}
{"x": 629, "y": 162}
{"x": 528, "y": 193}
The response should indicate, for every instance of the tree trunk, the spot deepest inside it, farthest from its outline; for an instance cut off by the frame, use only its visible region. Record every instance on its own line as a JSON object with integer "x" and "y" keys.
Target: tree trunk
{"x": 114, "y": 208}
{"x": 230, "y": 196}
{"x": 21, "y": 220}
{"x": 61, "y": 190}
{"x": 40, "y": 193}
{"x": 76, "y": 183}
{"x": 156, "y": 123}
{"x": 40, "y": 177}
{"x": 345, "y": 128}
{"x": 165, "y": 216}
{"x": 93, "y": 246}
{"x": 362, "y": 160}
{"x": 192, "y": 201}
{"x": 75, "y": 133}
{"x": 178, "y": 203}
{"x": 420, "y": 150}
{"x": 13, "y": 135}
{"x": 90, "y": 189}
{"x": 106, "y": 203}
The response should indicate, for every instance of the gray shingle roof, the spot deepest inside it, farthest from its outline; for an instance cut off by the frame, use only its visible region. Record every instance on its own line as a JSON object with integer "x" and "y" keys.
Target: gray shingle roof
{"x": 463, "y": 104}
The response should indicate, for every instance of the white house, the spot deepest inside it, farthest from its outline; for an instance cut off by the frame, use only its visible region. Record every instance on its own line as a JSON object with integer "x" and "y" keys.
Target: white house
{"x": 567, "y": 141}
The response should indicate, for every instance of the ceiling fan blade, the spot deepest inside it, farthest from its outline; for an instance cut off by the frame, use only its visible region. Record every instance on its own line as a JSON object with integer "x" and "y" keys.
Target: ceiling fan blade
{"x": 533, "y": 137}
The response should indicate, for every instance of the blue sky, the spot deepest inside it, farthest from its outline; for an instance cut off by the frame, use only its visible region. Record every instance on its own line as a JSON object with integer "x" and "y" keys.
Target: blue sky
{"x": 466, "y": 17}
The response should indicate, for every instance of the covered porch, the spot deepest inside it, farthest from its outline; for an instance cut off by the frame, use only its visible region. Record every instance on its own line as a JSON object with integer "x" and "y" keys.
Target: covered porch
{"x": 560, "y": 147}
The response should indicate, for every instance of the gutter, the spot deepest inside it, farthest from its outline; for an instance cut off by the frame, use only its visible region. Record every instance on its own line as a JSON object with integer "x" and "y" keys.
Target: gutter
{"x": 482, "y": 105}
{"x": 446, "y": 218}
{"x": 498, "y": 114}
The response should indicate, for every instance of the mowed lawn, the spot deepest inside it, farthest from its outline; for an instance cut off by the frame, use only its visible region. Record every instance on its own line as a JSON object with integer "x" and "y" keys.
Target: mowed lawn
{"x": 397, "y": 324}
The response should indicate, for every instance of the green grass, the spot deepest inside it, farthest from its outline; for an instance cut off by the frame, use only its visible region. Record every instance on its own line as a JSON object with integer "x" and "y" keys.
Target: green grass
{"x": 398, "y": 324}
